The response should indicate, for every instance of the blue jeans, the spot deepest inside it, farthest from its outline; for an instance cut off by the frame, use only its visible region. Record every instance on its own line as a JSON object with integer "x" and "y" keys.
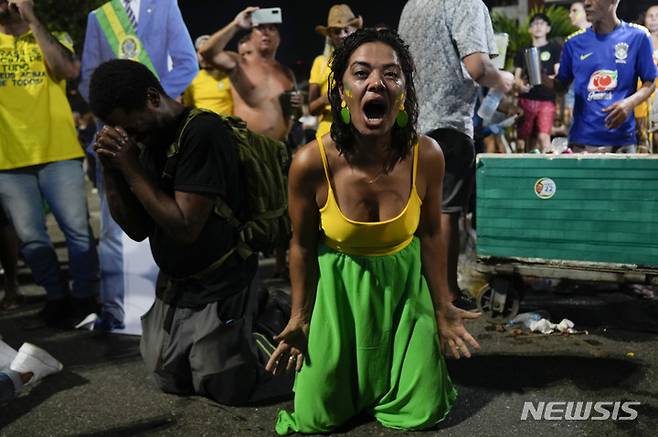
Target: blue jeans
{"x": 61, "y": 184}
{"x": 10, "y": 385}
{"x": 110, "y": 248}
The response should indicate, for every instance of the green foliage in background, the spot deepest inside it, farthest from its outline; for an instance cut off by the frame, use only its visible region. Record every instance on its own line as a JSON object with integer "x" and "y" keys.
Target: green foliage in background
{"x": 67, "y": 16}
{"x": 519, "y": 37}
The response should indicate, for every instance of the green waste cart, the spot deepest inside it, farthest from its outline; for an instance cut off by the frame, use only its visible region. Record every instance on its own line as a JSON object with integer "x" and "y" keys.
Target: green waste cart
{"x": 581, "y": 217}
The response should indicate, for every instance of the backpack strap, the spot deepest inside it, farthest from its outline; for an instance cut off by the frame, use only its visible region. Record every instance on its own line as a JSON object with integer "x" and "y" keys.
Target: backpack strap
{"x": 224, "y": 211}
{"x": 173, "y": 152}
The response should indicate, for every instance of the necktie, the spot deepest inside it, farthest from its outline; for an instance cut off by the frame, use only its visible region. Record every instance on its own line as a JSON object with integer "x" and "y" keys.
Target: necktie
{"x": 131, "y": 15}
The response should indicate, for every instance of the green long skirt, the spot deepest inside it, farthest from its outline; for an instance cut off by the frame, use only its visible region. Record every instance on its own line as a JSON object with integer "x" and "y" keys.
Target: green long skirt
{"x": 373, "y": 347}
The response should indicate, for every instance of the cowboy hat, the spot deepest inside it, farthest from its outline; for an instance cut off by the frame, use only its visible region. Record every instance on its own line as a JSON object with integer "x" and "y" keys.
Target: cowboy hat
{"x": 340, "y": 16}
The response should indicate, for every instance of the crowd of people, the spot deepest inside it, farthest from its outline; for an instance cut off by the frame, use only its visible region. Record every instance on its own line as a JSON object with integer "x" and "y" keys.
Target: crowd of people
{"x": 195, "y": 151}
{"x": 542, "y": 114}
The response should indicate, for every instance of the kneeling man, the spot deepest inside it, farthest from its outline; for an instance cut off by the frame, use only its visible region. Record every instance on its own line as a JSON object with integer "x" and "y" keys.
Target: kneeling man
{"x": 198, "y": 337}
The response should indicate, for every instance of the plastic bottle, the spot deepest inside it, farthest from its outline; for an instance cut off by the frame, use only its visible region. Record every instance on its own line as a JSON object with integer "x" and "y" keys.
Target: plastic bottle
{"x": 490, "y": 103}
{"x": 559, "y": 145}
{"x": 525, "y": 319}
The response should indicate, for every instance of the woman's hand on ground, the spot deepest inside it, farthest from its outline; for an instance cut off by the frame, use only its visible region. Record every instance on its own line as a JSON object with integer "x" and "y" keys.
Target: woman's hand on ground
{"x": 452, "y": 333}
{"x": 293, "y": 341}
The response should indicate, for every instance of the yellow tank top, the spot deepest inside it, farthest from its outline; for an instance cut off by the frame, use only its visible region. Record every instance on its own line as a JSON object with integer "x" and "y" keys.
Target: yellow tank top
{"x": 369, "y": 238}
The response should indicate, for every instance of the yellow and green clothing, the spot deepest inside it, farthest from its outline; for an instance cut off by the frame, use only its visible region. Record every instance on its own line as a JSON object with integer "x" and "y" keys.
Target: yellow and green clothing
{"x": 368, "y": 238}
{"x": 121, "y": 35}
{"x": 320, "y": 76}
{"x": 373, "y": 344}
{"x": 36, "y": 123}
{"x": 210, "y": 91}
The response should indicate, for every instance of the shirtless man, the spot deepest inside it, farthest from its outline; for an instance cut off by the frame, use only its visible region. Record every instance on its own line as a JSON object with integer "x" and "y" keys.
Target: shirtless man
{"x": 258, "y": 79}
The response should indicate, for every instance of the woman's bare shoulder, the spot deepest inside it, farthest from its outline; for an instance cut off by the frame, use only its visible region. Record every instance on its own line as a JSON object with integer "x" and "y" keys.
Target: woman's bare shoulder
{"x": 429, "y": 151}
{"x": 307, "y": 161}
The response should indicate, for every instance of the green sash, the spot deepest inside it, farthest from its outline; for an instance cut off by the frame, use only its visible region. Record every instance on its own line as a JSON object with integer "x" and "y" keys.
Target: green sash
{"x": 121, "y": 34}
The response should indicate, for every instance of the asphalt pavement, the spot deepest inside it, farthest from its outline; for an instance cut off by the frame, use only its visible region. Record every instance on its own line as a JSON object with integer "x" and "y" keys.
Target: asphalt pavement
{"x": 104, "y": 389}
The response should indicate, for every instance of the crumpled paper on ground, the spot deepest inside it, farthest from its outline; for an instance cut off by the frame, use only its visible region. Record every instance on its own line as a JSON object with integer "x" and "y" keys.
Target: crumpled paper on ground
{"x": 545, "y": 326}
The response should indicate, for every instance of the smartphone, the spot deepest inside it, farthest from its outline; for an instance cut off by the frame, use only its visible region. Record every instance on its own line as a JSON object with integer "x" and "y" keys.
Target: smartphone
{"x": 266, "y": 16}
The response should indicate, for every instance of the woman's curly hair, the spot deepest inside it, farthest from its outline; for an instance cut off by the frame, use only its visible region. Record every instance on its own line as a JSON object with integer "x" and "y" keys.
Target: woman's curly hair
{"x": 404, "y": 138}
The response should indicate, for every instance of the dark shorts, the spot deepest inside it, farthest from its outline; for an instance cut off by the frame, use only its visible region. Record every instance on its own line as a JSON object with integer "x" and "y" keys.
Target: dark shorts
{"x": 459, "y": 154}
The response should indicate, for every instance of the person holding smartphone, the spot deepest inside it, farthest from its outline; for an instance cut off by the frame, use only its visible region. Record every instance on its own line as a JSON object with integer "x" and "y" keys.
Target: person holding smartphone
{"x": 258, "y": 81}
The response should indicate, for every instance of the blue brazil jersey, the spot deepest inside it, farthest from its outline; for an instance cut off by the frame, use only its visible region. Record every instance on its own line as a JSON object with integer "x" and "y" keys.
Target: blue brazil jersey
{"x": 605, "y": 69}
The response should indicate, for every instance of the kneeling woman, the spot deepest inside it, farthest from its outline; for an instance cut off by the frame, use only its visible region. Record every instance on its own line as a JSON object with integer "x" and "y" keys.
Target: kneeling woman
{"x": 366, "y": 263}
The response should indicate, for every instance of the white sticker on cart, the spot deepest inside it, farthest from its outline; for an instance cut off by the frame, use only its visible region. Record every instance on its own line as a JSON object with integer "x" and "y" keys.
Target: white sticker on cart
{"x": 545, "y": 188}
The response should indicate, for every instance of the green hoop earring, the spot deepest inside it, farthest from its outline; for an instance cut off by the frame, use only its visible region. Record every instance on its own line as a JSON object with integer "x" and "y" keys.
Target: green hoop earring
{"x": 345, "y": 112}
{"x": 402, "y": 119}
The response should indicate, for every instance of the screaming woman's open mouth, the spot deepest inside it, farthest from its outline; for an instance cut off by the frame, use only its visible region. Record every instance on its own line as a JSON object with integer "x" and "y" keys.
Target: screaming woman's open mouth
{"x": 375, "y": 109}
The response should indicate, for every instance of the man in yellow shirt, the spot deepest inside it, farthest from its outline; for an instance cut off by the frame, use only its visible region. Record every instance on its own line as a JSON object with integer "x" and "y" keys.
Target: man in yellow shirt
{"x": 41, "y": 159}
{"x": 211, "y": 88}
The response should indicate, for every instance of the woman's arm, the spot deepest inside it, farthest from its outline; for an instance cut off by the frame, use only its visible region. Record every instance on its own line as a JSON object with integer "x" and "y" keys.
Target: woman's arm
{"x": 431, "y": 170}
{"x": 316, "y": 100}
{"x": 305, "y": 219}
{"x": 433, "y": 252}
{"x": 303, "y": 184}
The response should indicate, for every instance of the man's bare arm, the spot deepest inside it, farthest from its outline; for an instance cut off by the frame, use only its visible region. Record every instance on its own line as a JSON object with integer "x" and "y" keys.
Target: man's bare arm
{"x": 124, "y": 206}
{"x": 61, "y": 62}
{"x": 242, "y": 84}
{"x": 213, "y": 51}
{"x": 182, "y": 217}
{"x": 484, "y": 72}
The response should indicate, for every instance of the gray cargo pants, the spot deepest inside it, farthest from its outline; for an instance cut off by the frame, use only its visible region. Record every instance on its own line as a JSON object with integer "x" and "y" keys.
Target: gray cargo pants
{"x": 211, "y": 351}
